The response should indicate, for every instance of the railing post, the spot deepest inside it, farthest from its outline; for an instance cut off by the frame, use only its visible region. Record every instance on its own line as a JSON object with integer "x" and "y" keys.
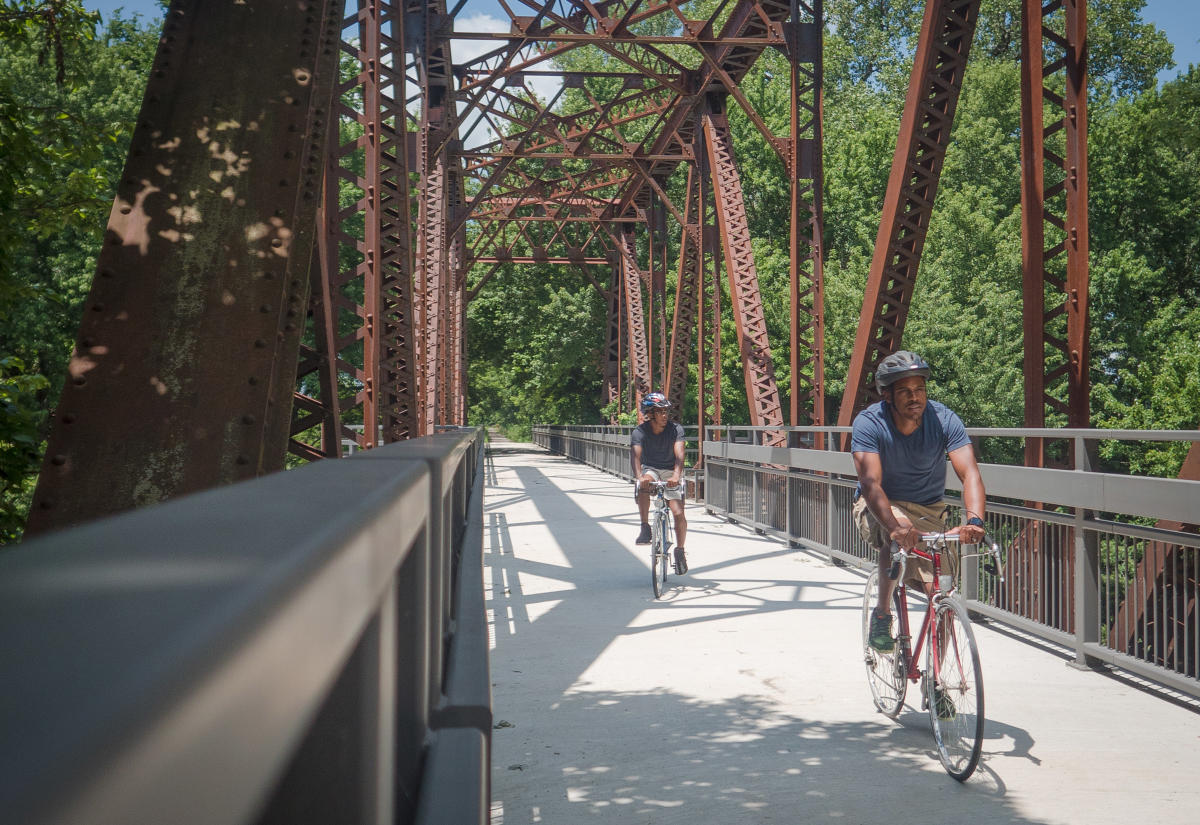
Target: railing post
{"x": 755, "y": 486}
{"x": 1087, "y": 572}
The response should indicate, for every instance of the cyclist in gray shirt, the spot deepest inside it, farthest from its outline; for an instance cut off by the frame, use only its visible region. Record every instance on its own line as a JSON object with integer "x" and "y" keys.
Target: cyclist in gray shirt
{"x": 900, "y": 446}
{"x": 656, "y": 450}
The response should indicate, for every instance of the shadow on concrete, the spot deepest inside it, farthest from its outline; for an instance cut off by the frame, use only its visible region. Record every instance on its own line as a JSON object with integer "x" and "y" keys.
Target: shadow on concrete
{"x": 663, "y": 757}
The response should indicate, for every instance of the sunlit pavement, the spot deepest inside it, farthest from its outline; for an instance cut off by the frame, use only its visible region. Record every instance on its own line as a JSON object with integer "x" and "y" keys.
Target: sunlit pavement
{"x": 740, "y": 696}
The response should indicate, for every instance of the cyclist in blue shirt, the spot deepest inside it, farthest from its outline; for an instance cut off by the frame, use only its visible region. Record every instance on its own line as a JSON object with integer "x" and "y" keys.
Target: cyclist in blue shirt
{"x": 656, "y": 450}
{"x": 900, "y": 446}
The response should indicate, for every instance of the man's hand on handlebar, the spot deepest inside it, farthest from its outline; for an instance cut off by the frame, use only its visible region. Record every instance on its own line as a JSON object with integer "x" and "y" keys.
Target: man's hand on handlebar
{"x": 968, "y": 533}
{"x": 905, "y": 535}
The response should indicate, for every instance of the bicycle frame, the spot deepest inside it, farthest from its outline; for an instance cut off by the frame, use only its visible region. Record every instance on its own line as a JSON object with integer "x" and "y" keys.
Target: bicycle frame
{"x": 913, "y": 655}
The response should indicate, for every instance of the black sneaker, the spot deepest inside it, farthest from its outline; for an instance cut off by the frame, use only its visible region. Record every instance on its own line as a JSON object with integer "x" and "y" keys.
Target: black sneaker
{"x": 644, "y": 536}
{"x": 680, "y": 562}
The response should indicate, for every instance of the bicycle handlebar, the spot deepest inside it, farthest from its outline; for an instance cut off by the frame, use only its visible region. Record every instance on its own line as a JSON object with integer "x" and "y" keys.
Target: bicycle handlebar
{"x": 991, "y": 548}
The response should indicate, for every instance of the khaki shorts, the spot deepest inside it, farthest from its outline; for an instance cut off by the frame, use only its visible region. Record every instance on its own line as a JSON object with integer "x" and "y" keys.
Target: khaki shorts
{"x": 926, "y": 518}
{"x": 671, "y": 493}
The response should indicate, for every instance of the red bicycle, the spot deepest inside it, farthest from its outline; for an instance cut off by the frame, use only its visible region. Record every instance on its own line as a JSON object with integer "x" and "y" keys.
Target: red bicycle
{"x": 951, "y": 681}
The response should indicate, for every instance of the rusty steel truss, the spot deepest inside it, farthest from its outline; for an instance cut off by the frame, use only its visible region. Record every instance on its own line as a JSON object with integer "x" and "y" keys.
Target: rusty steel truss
{"x": 296, "y": 238}
{"x": 289, "y": 269}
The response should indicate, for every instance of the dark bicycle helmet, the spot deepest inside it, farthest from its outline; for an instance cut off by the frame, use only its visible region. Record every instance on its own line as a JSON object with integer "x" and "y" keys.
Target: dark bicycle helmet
{"x": 899, "y": 365}
{"x": 655, "y": 400}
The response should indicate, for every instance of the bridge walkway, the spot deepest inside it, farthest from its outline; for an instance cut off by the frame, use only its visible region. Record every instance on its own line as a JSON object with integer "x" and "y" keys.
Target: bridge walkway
{"x": 740, "y": 698}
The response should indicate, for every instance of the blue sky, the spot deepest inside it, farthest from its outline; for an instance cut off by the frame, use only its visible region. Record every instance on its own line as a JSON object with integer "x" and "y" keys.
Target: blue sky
{"x": 1180, "y": 19}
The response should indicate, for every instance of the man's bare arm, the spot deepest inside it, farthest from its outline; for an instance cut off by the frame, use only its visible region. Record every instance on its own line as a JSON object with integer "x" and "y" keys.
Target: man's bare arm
{"x": 870, "y": 479}
{"x": 680, "y": 455}
{"x": 974, "y": 496}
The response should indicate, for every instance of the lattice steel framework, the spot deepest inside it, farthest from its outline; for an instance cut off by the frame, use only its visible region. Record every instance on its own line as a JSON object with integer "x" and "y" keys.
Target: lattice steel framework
{"x": 319, "y": 190}
{"x": 933, "y": 91}
{"x": 1054, "y": 221}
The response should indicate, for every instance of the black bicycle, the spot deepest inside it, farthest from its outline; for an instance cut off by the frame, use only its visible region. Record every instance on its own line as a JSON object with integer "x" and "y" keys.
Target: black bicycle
{"x": 661, "y": 533}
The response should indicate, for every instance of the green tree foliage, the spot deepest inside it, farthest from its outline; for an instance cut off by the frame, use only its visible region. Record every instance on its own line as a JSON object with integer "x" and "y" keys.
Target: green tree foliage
{"x": 68, "y": 97}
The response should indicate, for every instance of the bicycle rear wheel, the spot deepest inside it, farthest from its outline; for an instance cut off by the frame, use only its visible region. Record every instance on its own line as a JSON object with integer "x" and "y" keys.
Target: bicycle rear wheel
{"x": 658, "y": 555}
{"x": 955, "y": 698}
{"x": 886, "y": 671}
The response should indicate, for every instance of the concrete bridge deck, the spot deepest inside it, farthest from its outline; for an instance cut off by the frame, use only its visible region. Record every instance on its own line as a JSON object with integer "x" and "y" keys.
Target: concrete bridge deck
{"x": 740, "y": 696}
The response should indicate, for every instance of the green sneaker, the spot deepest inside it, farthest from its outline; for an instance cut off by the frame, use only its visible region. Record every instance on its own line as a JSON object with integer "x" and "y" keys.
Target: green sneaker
{"x": 880, "y": 637}
{"x": 944, "y": 704}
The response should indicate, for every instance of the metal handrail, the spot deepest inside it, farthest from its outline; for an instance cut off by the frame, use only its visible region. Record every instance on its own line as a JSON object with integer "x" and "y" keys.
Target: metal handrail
{"x": 308, "y": 646}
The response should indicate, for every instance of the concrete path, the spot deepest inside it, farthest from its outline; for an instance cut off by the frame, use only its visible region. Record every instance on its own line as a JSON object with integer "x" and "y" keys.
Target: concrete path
{"x": 740, "y": 697}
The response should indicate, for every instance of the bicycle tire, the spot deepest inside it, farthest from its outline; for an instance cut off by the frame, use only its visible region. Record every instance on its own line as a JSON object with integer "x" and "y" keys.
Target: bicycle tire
{"x": 658, "y": 575}
{"x": 955, "y": 698}
{"x": 887, "y": 673}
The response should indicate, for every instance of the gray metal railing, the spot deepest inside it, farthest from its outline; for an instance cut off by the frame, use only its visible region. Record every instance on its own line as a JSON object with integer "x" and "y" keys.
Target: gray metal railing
{"x": 606, "y": 447}
{"x": 1084, "y": 567}
{"x": 307, "y": 647}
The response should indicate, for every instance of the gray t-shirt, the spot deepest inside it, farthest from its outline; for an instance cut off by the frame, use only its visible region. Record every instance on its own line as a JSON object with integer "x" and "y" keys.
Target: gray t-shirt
{"x": 658, "y": 451}
{"x": 914, "y": 465}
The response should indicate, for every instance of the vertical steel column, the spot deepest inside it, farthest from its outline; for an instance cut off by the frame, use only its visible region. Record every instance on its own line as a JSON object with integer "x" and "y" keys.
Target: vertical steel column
{"x": 687, "y": 295}
{"x": 184, "y": 368}
{"x": 612, "y": 345}
{"x": 639, "y": 354}
{"x": 762, "y": 394}
{"x": 321, "y": 359}
{"x": 398, "y": 401}
{"x": 805, "y": 38}
{"x": 933, "y": 90}
{"x": 440, "y": 183}
{"x": 1056, "y": 348}
{"x": 370, "y": 207}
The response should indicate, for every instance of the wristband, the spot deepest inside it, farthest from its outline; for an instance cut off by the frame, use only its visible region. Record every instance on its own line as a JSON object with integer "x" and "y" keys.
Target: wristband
{"x": 976, "y": 521}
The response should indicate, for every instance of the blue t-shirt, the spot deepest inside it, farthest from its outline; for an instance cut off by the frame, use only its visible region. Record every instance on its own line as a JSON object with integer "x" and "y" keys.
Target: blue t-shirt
{"x": 658, "y": 451}
{"x": 914, "y": 465}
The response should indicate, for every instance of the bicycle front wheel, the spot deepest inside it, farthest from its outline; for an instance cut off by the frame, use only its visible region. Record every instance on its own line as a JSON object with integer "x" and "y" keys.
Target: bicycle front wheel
{"x": 886, "y": 670}
{"x": 955, "y": 697}
{"x": 658, "y": 557}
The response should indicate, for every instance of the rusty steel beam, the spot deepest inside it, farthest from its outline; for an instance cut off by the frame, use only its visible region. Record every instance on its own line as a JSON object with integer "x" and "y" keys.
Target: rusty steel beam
{"x": 1054, "y": 212}
{"x": 632, "y": 277}
{"x": 612, "y": 343}
{"x": 183, "y": 372}
{"x": 762, "y": 394}
{"x": 806, "y": 247}
{"x": 397, "y": 373}
{"x": 437, "y": 183}
{"x": 938, "y": 67}
{"x": 325, "y": 409}
{"x": 687, "y": 298}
